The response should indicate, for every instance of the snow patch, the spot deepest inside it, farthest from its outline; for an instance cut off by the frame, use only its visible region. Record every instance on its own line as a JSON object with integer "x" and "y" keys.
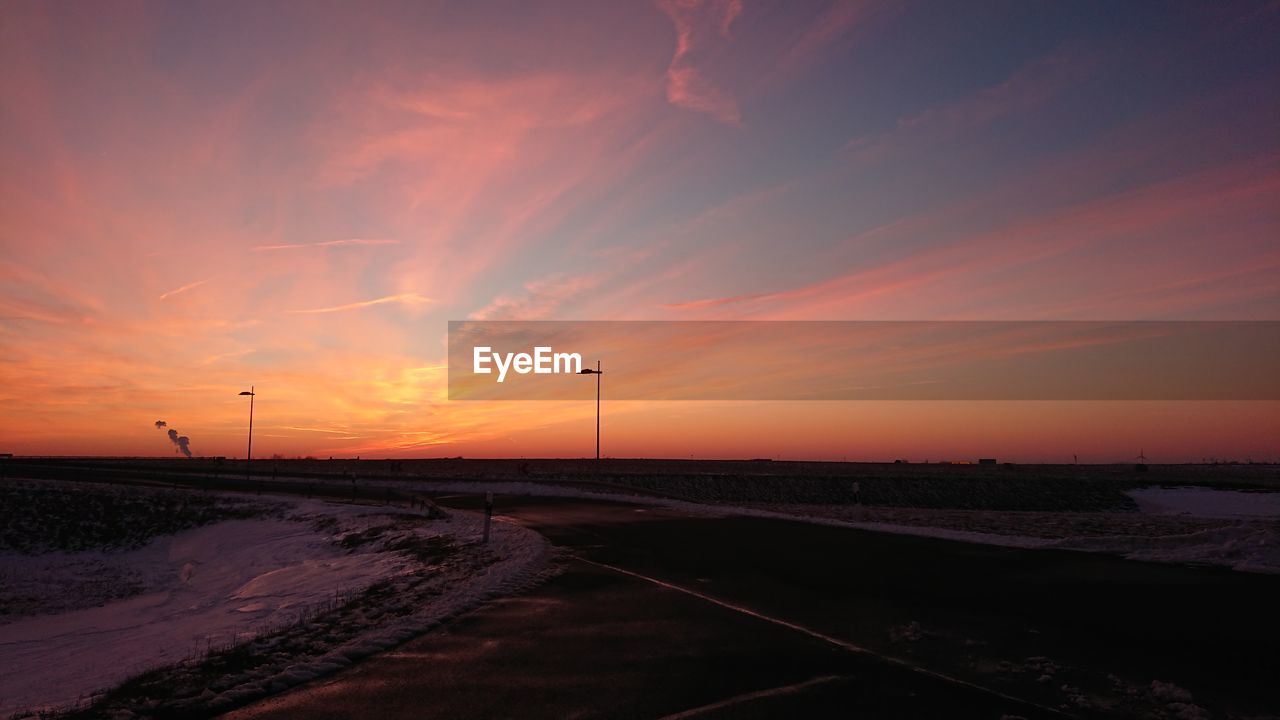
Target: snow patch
{"x": 257, "y": 582}
{"x": 1245, "y": 546}
{"x": 199, "y": 580}
{"x": 1207, "y": 502}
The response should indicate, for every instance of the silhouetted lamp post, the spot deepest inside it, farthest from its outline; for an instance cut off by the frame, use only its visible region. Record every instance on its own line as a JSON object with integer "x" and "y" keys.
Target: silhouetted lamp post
{"x": 597, "y": 373}
{"x": 248, "y": 458}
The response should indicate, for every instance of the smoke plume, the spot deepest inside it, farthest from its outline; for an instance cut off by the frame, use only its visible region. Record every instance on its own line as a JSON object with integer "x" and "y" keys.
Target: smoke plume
{"x": 181, "y": 443}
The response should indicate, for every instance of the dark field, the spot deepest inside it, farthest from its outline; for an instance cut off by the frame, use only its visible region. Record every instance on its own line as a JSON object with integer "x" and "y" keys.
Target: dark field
{"x": 1010, "y": 632}
{"x": 42, "y": 515}
{"x": 1005, "y": 487}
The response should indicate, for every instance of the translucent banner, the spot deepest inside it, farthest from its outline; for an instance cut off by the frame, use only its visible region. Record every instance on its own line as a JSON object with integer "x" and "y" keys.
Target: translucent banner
{"x": 865, "y": 360}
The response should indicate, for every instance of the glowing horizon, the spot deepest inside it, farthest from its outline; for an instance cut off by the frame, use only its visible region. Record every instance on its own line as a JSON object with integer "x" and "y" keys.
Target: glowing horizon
{"x": 200, "y": 199}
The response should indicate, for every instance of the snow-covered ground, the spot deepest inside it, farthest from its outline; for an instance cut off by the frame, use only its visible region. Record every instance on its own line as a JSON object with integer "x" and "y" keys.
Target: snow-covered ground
{"x": 1248, "y": 546}
{"x": 1246, "y": 538}
{"x": 220, "y": 585}
{"x": 1207, "y": 502}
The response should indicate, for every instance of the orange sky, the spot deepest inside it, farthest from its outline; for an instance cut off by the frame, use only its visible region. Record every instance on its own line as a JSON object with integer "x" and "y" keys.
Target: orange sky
{"x": 197, "y": 199}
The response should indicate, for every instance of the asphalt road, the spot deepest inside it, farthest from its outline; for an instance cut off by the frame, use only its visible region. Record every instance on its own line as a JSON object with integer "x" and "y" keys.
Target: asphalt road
{"x": 663, "y": 614}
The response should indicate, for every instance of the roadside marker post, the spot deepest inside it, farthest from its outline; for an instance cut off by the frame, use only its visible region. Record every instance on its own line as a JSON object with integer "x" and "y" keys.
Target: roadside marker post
{"x": 488, "y": 515}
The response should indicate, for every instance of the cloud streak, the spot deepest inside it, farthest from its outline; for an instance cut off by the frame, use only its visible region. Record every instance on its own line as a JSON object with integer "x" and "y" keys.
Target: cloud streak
{"x": 349, "y": 242}
{"x": 184, "y": 288}
{"x": 541, "y": 299}
{"x": 411, "y": 299}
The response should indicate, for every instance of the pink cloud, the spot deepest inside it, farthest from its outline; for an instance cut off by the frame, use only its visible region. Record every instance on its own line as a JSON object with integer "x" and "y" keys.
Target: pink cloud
{"x": 840, "y": 20}
{"x": 701, "y": 25}
{"x": 327, "y": 243}
{"x": 1033, "y": 86}
{"x": 1098, "y": 243}
{"x": 541, "y": 299}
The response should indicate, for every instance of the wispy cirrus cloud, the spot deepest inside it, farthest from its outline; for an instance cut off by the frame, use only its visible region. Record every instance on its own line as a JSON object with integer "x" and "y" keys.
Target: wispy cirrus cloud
{"x": 343, "y": 431}
{"x": 541, "y": 299}
{"x": 400, "y": 299}
{"x": 231, "y": 355}
{"x": 700, "y": 24}
{"x": 537, "y": 163}
{"x": 1092, "y": 243}
{"x": 839, "y": 22}
{"x": 704, "y": 303}
{"x": 1032, "y": 86}
{"x": 184, "y": 288}
{"x": 327, "y": 243}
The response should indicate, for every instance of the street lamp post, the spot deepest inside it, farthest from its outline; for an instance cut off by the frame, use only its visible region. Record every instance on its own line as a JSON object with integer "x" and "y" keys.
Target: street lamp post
{"x": 248, "y": 458}
{"x": 597, "y": 372}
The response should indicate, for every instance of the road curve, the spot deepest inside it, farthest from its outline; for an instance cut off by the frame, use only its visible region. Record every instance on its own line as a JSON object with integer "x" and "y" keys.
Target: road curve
{"x": 663, "y": 614}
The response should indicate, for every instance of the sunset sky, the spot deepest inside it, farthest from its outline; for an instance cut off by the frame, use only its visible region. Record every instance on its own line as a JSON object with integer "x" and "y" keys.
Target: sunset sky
{"x": 200, "y": 197}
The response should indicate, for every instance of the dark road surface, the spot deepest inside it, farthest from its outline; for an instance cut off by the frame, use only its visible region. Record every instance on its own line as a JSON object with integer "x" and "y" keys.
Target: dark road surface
{"x": 663, "y": 614}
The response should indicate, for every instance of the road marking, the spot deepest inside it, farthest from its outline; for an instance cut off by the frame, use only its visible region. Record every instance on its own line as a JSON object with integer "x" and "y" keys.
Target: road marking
{"x": 757, "y": 695}
{"x": 844, "y": 644}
